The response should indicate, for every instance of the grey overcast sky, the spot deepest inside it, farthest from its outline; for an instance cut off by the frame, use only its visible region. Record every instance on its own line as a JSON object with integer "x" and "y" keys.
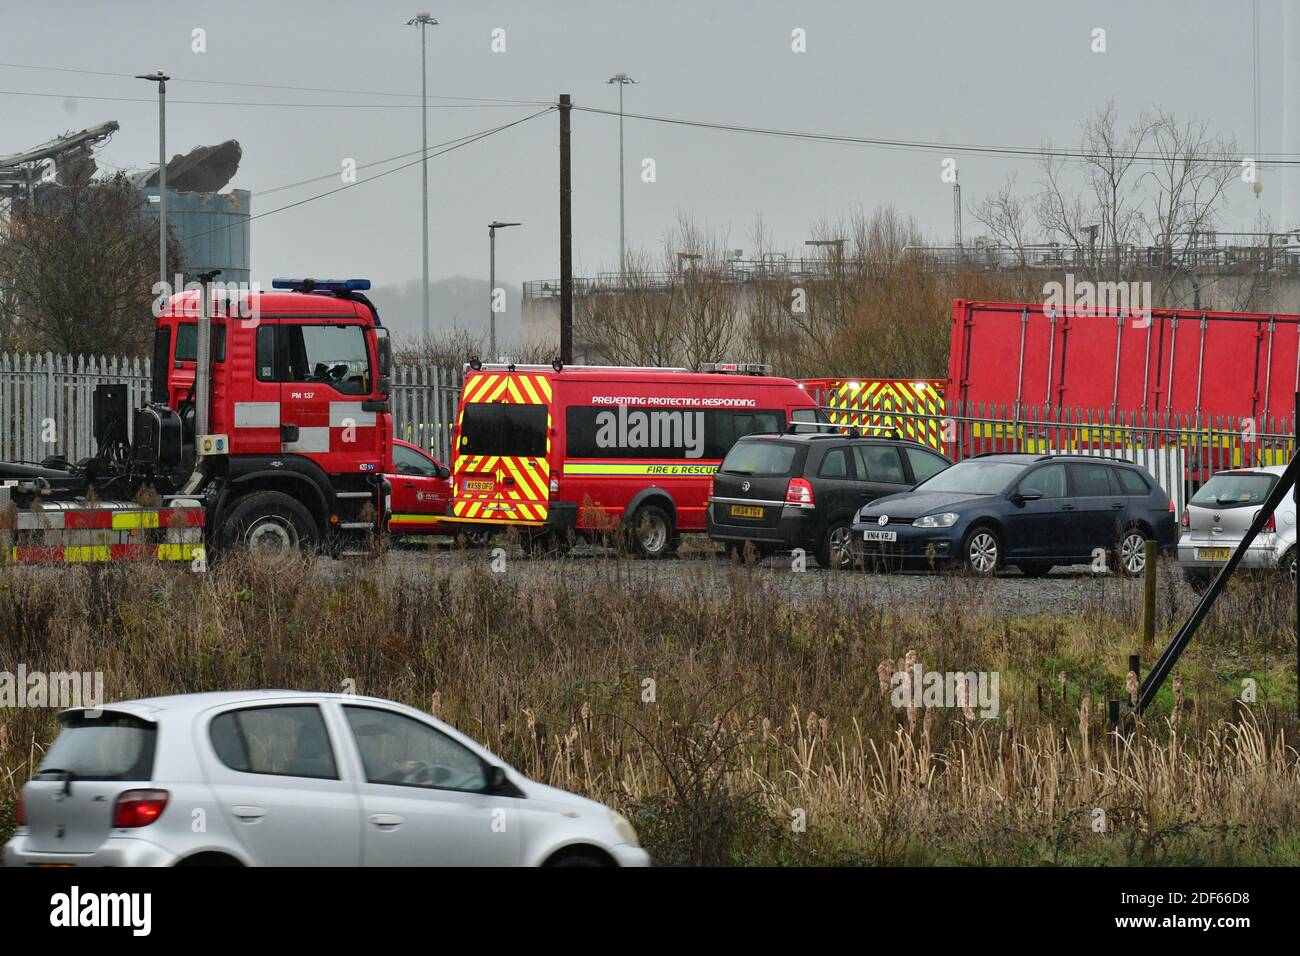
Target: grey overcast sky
{"x": 1015, "y": 72}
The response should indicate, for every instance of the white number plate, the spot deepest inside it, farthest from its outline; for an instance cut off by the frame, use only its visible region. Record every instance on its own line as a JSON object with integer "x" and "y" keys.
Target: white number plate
{"x": 870, "y": 535}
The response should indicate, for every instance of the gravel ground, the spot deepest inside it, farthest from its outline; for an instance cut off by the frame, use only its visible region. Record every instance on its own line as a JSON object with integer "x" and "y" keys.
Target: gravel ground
{"x": 1066, "y": 591}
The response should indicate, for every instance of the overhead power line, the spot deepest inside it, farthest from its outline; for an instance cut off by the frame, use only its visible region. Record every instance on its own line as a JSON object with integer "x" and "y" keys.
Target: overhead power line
{"x": 278, "y": 86}
{"x": 465, "y": 141}
{"x": 1274, "y": 159}
{"x": 327, "y": 106}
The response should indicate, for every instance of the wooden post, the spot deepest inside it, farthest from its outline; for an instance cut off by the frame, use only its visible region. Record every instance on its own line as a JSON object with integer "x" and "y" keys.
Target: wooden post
{"x": 1149, "y": 596}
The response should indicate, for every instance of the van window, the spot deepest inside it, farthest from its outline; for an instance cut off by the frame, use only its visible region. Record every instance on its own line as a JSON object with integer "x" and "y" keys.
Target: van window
{"x": 628, "y": 431}
{"x": 494, "y": 428}
{"x": 109, "y": 747}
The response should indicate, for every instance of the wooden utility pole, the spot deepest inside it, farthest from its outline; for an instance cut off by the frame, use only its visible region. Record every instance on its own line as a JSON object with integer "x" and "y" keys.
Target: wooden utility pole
{"x": 566, "y": 235}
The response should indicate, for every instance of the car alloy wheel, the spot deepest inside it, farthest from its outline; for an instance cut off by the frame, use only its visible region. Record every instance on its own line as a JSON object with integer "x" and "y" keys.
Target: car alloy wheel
{"x": 982, "y": 552}
{"x": 1289, "y": 565}
{"x": 1132, "y": 553}
{"x": 841, "y": 547}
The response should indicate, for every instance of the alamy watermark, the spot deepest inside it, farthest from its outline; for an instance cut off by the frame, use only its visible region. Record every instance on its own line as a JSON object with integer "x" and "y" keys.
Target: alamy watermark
{"x": 243, "y": 297}
{"x": 1084, "y": 298}
{"x": 58, "y": 689}
{"x": 964, "y": 690}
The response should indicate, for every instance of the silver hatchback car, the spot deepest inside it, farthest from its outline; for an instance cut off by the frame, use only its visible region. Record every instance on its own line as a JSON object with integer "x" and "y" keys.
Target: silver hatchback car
{"x": 277, "y": 778}
{"x": 1216, "y": 520}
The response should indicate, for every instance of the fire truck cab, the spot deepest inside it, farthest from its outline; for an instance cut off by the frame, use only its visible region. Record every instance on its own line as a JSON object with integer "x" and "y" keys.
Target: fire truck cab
{"x": 299, "y": 430}
{"x": 562, "y": 452}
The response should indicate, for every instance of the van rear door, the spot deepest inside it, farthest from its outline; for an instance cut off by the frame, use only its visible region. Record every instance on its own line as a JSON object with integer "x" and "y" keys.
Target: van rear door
{"x": 503, "y": 447}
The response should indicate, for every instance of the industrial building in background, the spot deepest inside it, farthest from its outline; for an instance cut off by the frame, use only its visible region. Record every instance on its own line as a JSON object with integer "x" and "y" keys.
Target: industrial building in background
{"x": 212, "y": 227}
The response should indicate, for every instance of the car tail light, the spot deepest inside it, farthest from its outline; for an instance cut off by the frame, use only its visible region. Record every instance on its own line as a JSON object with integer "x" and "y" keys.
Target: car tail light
{"x": 1187, "y": 519}
{"x": 1270, "y": 526}
{"x": 20, "y": 814}
{"x": 799, "y": 492}
{"x": 138, "y": 808}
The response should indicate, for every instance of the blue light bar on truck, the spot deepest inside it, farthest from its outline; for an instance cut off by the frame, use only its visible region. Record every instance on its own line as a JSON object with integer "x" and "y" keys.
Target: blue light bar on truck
{"x": 321, "y": 285}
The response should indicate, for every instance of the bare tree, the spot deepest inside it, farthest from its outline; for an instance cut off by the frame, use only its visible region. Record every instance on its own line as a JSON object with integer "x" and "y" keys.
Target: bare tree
{"x": 78, "y": 267}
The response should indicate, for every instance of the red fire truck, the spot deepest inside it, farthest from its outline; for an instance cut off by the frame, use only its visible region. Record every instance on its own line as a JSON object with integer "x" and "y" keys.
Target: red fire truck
{"x": 585, "y": 451}
{"x": 269, "y": 426}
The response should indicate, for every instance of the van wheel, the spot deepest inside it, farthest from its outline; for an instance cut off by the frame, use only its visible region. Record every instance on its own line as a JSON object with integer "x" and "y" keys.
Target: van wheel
{"x": 268, "y": 522}
{"x": 982, "y": 551}
{"x": 651, "y": 532}
{"x": 836, "y": 550}
{"x": 1131, "y": 555}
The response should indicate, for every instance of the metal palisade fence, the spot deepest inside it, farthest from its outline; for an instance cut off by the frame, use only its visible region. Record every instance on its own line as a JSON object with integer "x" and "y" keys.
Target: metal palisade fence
{"x": 1180, "y": 451}
{"x": 46, "y": 403}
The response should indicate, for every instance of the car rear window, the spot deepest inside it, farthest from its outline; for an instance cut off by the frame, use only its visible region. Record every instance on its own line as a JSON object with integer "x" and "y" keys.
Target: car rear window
{"x": 1234, "y": 490}
{"x": 762, "y": 458}
{"x": 510, "y": 430}
{"x": 108, "y": 747}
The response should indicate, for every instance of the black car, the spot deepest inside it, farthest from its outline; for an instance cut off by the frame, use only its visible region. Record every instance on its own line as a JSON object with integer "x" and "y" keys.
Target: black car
{"x": 781, "y": 492}
{"x": 1031, "y": 511}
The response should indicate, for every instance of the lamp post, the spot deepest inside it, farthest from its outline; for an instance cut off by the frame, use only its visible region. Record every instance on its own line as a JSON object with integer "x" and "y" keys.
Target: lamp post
{"x": 493, "y": 226}
{"x": 622, "y": 79}
{"x": 423, "y": 20}
{"x": 161, "y": 79}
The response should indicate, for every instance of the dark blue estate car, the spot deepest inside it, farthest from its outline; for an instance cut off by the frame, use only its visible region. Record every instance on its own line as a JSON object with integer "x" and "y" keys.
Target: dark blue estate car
{"x": 1030, "y": 511}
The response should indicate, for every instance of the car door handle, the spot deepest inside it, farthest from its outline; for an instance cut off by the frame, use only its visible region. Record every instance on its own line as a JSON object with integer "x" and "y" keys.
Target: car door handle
{"x": 1117, "y": 505}
{"x": 248, "y": 813}
{"x": 408, "y": 484}
{"x": 386, "y": 821}
{"x": 1067, "y": 507}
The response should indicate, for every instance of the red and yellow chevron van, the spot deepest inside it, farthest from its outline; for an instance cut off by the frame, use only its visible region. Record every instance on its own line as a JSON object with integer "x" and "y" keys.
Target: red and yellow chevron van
{"x": 582, "y": 451}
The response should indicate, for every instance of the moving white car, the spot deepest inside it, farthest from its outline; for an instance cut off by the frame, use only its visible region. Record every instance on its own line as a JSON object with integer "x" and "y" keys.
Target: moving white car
{"x": 278, "y": 778}
{"x": 1216, "y": 519}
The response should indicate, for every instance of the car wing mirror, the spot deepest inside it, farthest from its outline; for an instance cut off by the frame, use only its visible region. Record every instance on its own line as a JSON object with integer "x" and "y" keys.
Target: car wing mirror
{"x": 1029, "y": 494}
{"x": 444, "y": 471}
{"x": 496, "y": 778}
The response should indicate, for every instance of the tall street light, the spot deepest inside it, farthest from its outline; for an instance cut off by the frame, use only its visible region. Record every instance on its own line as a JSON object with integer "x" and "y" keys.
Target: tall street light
{"x": 622, "y": 79}
{"x": 423, "y": 20}
{"x": 493, "y": 226}
{"x": 161, "y": 79}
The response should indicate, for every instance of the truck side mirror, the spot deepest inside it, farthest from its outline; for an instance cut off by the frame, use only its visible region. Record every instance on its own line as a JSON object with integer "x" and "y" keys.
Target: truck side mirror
{"x": 385, "y": 357}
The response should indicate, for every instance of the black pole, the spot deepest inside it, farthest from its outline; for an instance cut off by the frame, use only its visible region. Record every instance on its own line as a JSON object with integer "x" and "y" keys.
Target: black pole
{"x": 1295, "y": 498}
{"x": 566, "y": 236}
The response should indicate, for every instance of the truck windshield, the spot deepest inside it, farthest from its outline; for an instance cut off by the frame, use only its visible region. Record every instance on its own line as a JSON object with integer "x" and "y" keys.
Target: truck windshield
{"x": 1226, "y": 490}
{"x": 491, "y": 428}
{"x": 973, "y": 478}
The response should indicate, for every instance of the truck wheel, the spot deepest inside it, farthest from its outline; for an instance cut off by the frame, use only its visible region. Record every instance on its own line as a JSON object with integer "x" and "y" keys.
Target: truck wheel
{"x": 270, "y": 521}
{"x": 651, "y": 532}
